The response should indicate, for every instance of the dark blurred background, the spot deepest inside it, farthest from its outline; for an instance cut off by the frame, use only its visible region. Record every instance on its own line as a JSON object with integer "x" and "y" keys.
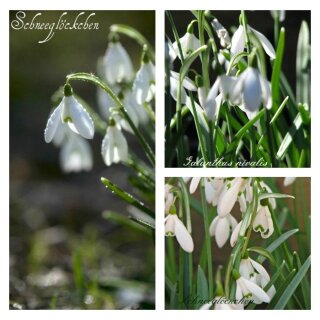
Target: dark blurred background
{"x": 56, "y": 226}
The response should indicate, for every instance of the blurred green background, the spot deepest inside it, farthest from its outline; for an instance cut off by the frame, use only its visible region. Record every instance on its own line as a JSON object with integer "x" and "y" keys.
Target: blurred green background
{"x": 63, "y": 254}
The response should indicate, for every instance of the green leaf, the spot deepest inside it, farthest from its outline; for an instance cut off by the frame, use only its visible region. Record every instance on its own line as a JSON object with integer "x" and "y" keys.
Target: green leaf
{"x": 303, "y": 65}
{"x": 127, "y": 222}
{"x": 292, "y": 286}
{"x": 274, "y": 195}
{"x": 276, "y": 71}
{"x": 289, "y": 137}
{"x": 134, "y": 34}
{"x": 275, "y": 244}
{"x": 202, "y": 286}
{"x": 127, "y": 196}
{"x": 279, "y": 110}
{"x": 263, "y": 252}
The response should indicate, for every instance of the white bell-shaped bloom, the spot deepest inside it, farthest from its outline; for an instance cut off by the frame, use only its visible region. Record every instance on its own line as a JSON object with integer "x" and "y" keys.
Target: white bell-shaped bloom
{"x": 186, "y": 84}
{"x": 222, "y": 33}
{"x": 255, "y": 272}
{"x": 194, "y": 184}
{"x": 238, "y": 42}
{"x": 76, "y": 154}
{"x": 117, "y": 64}
{"x": 288, "y": 181}
{"x": 221, "y": 227}
{"x": 263, "y": 222}
{"x": 175, "y": 227}
{"x": 114, "y": 146}
{"x": 226, "y": 87}
{"x": 229, "y": 196}
{"x": 236, "y": 232}
{"x": 137, "y": 112}
{"x": 248, "y": 290}
{"x": 168, "y": 198}
{"x": 252, "y": 90}
{"x": 71, "y": 112}
{"x": 189, "y": 43}
{"x": 105, "y": 102}
{"x": 143, "y": 85}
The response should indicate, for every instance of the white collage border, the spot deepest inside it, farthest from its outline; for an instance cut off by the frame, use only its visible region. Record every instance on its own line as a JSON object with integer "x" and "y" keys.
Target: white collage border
{"x": 159, "y": 6}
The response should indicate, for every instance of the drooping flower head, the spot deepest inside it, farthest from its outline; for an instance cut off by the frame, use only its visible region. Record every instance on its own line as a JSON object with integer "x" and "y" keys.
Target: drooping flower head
{"x": 114, "y": 147}
{"x": 71, "y": 112}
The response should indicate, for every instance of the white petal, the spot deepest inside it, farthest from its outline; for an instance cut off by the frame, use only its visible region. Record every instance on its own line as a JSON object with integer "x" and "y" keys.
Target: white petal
{"x": 222, "y": 232}
{"x": 141, "y": 85}
{"x": 209, "y": 190}
{"x": 169, "y": 225}
{"x": 174, "y": 83}
{"x": 80, "y": 118}
{"x": 183, "y": 236}
{"x": 211, "y": 104}
{"x": 107, "y": 148}
{"x": 232, "y": 221}
{"x": 202, "y": 96}
{"x": 237, "y": 41}
{"x": 213, "y": 226}
{"x": 288, "y": 181}
{"x": 53, "y": 123}
{"x": 194, "y": 184}
{"x": 266, "y": 92}
{"x": 235, "y": 234}
{"x": 187, "y": 83}
{"x": 120, "y": 145}
{"x": 252, "y": 94}
{"x": 258, "y": 294}
{"x": 267, "y": 46}
{"x": 246, "y": 270}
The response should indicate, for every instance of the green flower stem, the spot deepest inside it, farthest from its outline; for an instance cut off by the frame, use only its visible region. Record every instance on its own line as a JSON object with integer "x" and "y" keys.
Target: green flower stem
{"x": 98, "y": 82}
{"x": 172, "y": 259}
{"x": 199, "y": 132}
{"x": 180, "y": 151}
{"x": 245, "y": 27}
{"x": 204, "y": 54}
{"x": 207, "y": 239}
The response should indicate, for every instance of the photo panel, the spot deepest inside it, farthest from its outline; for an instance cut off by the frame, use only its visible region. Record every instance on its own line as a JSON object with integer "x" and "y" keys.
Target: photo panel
{"x": 82, "y": 162}
{"x": 237, "y": 91}
{"x": 237, "y": 243}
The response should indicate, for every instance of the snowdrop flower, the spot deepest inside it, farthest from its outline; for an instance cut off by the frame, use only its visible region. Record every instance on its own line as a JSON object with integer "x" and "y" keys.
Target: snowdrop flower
{"x": 168, "y": 198}
{"x": 238, "y": 42}
{"x": 272, "y": 201}
{"x": 222, "y": 33}
{"x": 117, "y": 63}
{"x": 208, "y": 102}
{"x": 75, "y": 154}
{"x": 252, "y": 89}
{"x": 175, "y": 227}
{"x": 189, "y": 43}
{"x": 288, "y": 181}
{"x": 114, "y": 145}
{"x": 280, "y": 13}
{"x": 186, "y": 84}
{"x": 105, "y": 102}
{"x": 229, "y": 195}
{"x": 143, "y": 85}
{"x": 256, "y": 273}
{"x": 249, "y": 290}
{"x": 71, "y": 112}
{"x": 221, "y": 227}
{"x": 263, "y": 222}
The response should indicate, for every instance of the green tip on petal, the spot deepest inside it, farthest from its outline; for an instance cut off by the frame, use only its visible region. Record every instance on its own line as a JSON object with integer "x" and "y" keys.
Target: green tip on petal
{"x": 199, "y": 81}
{"x": 236, "y": 275}
{"x": 67, "y": 89}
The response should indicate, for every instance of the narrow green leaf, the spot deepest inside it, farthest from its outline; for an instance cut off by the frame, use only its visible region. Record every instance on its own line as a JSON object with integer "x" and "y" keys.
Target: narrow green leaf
{"x": 202, "y": 286}
{"x": 274, "y": 195}
{"x": 289, "y": 137}
{"x": 276, "y": 71}
{"x": 292, "y": 286}
{"x": 263, "y": 252}
{"x": 126, "y": 196}
{"x": 275, "y": 244}
{"x": 279, "y": 110}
